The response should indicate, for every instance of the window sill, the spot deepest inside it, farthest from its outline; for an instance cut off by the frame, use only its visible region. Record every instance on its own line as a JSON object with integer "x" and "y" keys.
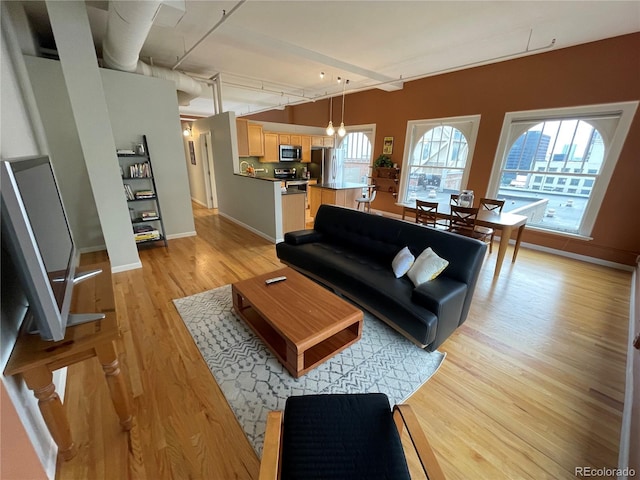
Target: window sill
{"x": 575, "y": 236}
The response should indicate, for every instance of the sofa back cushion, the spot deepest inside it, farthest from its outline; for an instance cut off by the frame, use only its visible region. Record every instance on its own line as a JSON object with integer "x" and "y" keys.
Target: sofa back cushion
{"x": 371, "y": 234}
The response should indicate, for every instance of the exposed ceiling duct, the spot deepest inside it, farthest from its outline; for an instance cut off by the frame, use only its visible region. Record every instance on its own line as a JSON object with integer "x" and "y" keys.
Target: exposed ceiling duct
{"x": 128, "y": 25}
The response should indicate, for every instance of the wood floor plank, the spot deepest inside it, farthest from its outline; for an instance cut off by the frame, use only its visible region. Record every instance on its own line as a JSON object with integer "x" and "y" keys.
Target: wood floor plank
{"x": 531, "y": 388}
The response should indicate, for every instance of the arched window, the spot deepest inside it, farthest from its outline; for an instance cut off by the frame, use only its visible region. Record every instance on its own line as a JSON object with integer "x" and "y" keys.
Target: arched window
{"x": 555, "y": 165}
{"x": 355, "y": 150}
{"x": 439, "y": 158}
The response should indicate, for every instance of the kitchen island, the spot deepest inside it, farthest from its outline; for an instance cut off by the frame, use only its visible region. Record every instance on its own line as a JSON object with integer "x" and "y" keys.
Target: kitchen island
{"x": 343, "y": 194}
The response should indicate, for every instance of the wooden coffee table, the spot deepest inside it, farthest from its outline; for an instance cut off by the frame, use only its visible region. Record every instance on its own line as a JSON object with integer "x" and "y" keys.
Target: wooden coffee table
{"x": 301, "y": 322}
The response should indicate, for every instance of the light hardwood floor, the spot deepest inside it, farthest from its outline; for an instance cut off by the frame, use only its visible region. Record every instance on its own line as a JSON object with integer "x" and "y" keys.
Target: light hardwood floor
{"x": 532, "y": 385}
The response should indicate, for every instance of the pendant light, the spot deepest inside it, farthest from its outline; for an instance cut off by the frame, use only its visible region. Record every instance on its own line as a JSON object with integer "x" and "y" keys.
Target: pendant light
{"x": 342, "y": 131}
{"x": 330, "y": 129}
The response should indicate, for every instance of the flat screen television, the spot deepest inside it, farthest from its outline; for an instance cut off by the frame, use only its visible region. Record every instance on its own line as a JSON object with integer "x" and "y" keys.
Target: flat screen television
{"x": 37, "y": 236}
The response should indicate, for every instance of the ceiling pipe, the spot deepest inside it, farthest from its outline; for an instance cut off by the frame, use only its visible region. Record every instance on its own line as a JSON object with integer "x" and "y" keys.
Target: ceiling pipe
{"x": 225, "y": 15}
{"x": 128, "y": 25}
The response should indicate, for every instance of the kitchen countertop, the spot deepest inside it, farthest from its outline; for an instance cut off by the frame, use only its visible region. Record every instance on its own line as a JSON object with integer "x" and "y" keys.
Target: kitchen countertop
{"x": 293, "y": 191}
{"x": 268, "y": 179}
{"x": 340, "y": 185}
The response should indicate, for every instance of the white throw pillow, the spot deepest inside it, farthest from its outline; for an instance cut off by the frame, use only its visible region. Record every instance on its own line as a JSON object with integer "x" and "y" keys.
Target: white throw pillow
{"x": 427, "y": 266}
{"x": 402, "y": 262}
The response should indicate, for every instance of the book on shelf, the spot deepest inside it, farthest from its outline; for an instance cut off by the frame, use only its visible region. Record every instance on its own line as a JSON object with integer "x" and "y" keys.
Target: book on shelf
{"x": 140, "y": 170}
{"x": 125, "y": 151}
{"x": 128, "y": 192}
{"x": 144, "y": 194}
{"x": 143, "y": 228}
{"x": 151, "y": 235}
{"x": 149, "y": 215}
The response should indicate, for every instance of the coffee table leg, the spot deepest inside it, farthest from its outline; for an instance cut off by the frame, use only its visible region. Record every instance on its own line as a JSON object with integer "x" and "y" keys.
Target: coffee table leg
{"x": 295, "y": 360}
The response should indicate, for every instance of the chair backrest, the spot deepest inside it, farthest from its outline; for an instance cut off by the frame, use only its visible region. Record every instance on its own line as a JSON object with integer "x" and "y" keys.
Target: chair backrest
{"x": 370, "y": 191}
{"x": 492, "y": 204}
{"x": 463, "y": 218}
{"x": 372, "y": 194}
{"x": 454, "y": 200}
{"x": 426, "y": 212}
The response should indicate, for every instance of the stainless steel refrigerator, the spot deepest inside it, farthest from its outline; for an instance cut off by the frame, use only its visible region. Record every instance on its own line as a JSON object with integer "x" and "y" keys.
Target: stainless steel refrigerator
{"x": 326, "y": 165}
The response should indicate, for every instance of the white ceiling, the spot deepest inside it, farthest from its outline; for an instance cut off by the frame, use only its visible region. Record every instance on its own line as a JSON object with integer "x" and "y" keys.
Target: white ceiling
{"x": 271, "y": 53}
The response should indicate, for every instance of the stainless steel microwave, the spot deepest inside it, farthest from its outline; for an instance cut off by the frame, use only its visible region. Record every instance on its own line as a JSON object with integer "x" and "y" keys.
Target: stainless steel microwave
{"x": 290, "y": 153}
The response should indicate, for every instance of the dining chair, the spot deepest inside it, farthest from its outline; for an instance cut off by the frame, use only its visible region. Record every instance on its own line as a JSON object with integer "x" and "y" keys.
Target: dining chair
{"x": 344, "y": 436}
{"x": 367, "y": 199}
{"x": 454, "y": 200}
{"x": 463, "y": 222}
{"x": 427, "y": 214}
{"x": 493, "y": 205}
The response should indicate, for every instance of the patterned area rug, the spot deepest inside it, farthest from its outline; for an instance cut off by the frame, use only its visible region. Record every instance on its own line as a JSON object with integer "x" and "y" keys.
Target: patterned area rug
{"x": 254, "y": 382}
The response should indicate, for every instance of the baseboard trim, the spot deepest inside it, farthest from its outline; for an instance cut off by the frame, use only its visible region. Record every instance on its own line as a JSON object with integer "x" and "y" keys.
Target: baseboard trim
{"x": 124, "y": 268}
{"x": 181, "y": 235}
{"x": 248, "y": 227}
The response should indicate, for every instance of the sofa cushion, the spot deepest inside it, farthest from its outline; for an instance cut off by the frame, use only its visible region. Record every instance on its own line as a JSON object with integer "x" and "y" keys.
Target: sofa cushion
{"x": 402, "y": 262}
{"x": 427, "y": 266}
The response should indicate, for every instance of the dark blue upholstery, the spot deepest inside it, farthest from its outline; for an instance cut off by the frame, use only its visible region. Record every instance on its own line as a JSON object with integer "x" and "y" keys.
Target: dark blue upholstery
{"x": 341, "y": 437}
{"x": 351, "y": 251}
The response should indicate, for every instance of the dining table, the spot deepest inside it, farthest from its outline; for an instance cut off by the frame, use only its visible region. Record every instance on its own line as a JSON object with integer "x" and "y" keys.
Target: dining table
{"x": 506, "y": 222}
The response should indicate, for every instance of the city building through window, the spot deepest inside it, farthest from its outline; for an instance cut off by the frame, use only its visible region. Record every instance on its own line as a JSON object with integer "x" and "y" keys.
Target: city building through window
{"x": 554, "y": 166}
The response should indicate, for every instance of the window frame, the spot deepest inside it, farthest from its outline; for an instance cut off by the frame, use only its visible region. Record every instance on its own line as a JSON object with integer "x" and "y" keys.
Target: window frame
{"x": 469, "y": 131}
{"x": 614, "y": 142}
{"x": 368, "y": 130}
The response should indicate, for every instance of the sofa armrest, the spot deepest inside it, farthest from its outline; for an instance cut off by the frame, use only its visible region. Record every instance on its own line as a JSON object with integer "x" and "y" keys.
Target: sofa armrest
{"x": 444, "y": 297}
{"x": 300, "y": 237}
{"x": 440, "y": 294}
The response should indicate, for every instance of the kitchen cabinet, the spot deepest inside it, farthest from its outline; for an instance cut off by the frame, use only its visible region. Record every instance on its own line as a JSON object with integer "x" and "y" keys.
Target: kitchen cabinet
{"x": 341, "y": 196}
{"x": 293, "y": 212}
{"x": 296, "y": 140}
{"x": 305, "y": 142}
{"x": 271, "y": 148}
{"x": 256, "y": 141}
{"x": 285, "y": 138}
{"x": 322, "y": 141}
{"x": 250, "y": 141}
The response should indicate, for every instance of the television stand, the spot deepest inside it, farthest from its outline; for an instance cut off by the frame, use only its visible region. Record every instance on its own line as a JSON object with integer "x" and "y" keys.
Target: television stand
{"x": 36, "y": 359}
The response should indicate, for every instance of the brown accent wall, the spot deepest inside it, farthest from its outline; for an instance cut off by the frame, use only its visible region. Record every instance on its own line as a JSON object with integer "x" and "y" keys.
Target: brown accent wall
{"x": 600, "y": 72}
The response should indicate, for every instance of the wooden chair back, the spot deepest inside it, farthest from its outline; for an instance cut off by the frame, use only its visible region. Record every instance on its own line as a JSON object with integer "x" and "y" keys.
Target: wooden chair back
{"x": 454, "y": 200}
{"x": 492, "y": 204}
{"x": 463, "y": 219}
{"x": 426, "y": 212}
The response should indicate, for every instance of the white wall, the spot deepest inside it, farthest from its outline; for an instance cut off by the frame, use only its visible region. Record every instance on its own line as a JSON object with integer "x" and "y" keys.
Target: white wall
{"x": 136, "y": 105}
{"x": 252, "y": 203}
{"x": 143, "y": 105}
{"x": 66, "y": 153}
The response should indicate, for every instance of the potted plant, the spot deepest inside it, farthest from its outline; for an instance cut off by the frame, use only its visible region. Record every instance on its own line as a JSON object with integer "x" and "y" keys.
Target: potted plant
{"x": 383, "y": 167}
{"x": 383, "y": 161}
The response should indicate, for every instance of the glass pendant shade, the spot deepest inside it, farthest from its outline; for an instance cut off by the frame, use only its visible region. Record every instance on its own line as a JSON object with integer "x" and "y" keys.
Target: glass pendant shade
{"x": 330, "y": 129}
{"x": 341, "y": 130}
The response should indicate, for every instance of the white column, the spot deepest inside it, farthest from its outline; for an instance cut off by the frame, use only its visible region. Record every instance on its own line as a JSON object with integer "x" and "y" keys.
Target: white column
{"x": 72, "y": 33}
